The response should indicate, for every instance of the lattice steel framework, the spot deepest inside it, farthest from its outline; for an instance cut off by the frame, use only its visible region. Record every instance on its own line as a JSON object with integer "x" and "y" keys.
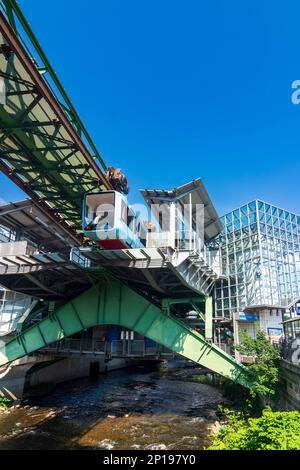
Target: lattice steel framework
{"x": 44, "y": 146}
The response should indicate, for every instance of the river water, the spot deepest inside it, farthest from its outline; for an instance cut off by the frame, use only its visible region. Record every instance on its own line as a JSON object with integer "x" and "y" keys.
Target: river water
{"x": 140, "y": 408}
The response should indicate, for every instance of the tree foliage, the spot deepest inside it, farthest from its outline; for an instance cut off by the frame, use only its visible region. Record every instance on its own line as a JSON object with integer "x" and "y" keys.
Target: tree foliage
{"x": 265, "y": 370}
{"x": 272, "y": 431}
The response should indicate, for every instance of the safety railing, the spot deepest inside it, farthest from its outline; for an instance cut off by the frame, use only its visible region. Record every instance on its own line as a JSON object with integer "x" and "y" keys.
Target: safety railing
{"x": 290, "y": 350}
{"x": 115, "y": 348}
{"x": 71, "y": 345}
{"x": 189, "y": 241}
{"x": 77, "y": 257}
{"x": 226, "y": 348}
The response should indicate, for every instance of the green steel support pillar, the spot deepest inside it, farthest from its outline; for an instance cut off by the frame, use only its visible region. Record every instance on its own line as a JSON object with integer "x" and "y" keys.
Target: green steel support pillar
{"x": 113, "y": 303}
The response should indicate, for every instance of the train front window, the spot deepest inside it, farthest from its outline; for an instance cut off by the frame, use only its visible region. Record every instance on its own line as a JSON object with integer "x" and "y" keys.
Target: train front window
{"x": 123, "y": 212}
{"x": 130, "y": 219}
{"x": 100, "y": 210}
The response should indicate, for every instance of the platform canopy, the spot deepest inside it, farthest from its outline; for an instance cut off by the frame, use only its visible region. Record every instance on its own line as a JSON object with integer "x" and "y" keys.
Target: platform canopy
{"x": 35, "y": 254}
{"x": 31, "y": 222}
{"x": 182, "y": 194}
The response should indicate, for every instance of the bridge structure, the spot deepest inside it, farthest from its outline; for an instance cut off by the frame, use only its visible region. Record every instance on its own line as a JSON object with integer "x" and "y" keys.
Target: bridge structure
{"x": 46, "y": 150}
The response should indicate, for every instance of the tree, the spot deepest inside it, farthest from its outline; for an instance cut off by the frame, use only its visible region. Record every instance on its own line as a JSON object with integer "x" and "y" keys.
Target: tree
{"x": 265, "y": 370}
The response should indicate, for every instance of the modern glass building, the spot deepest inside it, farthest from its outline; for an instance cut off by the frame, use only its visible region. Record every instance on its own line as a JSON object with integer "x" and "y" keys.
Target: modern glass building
{"x": 260, "y": 253}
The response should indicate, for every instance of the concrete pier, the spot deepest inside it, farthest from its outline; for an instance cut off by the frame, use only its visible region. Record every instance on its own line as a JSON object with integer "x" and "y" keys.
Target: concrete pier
{"x": 20, "y": 376}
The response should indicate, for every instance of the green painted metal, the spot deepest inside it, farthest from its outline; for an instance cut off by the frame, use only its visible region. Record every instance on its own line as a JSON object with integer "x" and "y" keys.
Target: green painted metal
{"x": 58, "y": 178}
{"x": 114, "y": 303}
{"x": 36, "y": 308}
{"x": 31, "y": 310}
{"x": 44, "y": 147}
{"x": 13, "y": 11}
{"x": 10, "y": 15}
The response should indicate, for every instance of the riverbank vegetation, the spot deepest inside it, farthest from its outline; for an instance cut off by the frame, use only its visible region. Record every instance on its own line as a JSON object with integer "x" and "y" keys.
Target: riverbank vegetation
{"x": 272, "y": 431}
{"x": 5, "y": 403}
{"x": 256, "y": 423}
{"x": 265, "y": 375}
{"x": 265, "y": 370}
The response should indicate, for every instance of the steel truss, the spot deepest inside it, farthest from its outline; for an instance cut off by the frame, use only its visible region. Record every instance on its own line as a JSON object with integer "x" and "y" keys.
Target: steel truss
{"x": 113, "y": 303}
{"x": 44, "y": 147}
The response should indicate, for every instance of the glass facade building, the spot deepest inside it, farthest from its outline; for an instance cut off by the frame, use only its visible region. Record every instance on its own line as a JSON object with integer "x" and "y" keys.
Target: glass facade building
{"x": 261, "y": 258}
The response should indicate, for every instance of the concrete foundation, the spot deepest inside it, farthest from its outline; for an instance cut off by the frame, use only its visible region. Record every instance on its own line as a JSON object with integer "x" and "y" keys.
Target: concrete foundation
{"x": 13, "y": 376}
{"x": 290, "y": 399}
{"x": 20, "y": 376}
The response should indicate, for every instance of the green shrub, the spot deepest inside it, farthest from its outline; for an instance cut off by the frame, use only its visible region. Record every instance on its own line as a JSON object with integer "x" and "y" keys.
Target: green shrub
{"x": 4, "y": 403}
{"x": 272, "y": 431}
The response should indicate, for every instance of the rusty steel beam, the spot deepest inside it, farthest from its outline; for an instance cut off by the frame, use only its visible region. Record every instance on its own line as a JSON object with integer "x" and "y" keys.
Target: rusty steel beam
{"x": 48, "y": 95}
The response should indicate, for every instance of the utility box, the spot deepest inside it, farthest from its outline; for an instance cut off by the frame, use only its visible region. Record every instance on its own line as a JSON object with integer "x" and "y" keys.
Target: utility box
{"x": 20, "y": 248}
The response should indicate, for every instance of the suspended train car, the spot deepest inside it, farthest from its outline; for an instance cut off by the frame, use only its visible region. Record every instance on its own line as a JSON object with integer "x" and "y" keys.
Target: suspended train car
{"x": 111, "y": 223}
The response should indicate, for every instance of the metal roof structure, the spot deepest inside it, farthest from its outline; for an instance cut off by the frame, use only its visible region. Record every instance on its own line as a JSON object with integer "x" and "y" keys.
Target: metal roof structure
{"x": 44, "y": 147}
{"x": 31, "y": 222}
{"x": 44, "y": 276}
{"x": 160, "y": 272}
{"x": 181, "y": 194}
{"x": 38, "y": 262}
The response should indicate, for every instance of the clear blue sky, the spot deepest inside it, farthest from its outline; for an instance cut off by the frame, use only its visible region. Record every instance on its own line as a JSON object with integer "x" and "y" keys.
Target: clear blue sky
{"x": 173, "y": 90}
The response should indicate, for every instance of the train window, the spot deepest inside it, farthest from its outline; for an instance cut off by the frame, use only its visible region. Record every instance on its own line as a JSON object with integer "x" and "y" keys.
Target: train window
{"x": 143, "y": 234}
{"x": 100, "y": 208}
{"x": 130, "y": 219}
{"x": 123, "y": 211}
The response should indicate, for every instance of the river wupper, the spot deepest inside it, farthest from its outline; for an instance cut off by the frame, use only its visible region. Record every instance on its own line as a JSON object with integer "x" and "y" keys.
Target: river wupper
{"x": 145, "y": 408}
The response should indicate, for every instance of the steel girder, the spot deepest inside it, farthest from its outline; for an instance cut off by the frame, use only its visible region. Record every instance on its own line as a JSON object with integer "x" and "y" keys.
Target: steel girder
{"x": 41, "y": 149}
{"x": 15, "y": 16}
{"x": 113, "y": 303}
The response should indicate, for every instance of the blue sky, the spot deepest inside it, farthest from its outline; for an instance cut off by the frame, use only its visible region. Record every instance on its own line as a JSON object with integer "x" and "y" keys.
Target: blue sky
{"x": 174, "y": 90}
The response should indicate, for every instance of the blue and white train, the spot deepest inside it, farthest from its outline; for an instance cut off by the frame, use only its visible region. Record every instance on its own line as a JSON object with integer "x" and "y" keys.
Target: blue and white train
{"x": 110, "y": 222}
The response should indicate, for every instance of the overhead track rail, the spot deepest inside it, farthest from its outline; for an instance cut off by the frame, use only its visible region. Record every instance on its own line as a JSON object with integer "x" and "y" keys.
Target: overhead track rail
{"x": 44, "y": 146}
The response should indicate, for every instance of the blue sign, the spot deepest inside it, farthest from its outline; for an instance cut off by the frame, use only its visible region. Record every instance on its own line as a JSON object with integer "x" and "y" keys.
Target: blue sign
{"x": 244, "y": 317}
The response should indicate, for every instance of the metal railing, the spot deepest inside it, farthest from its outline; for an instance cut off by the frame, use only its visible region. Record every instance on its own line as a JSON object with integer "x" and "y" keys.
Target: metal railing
{"x": 81, "y": 346}
{"x": 226, "y": 348}
{"x": 290, "y": 350}
{"x": 77, "y": 257}
{"x": 115, "y": 348}
{"x": 190, "y": 241}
